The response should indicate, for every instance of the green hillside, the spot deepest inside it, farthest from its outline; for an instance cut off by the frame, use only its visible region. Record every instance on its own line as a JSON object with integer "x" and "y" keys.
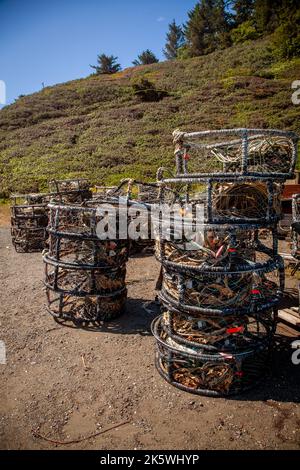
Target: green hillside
{"x": 96, "y": 128}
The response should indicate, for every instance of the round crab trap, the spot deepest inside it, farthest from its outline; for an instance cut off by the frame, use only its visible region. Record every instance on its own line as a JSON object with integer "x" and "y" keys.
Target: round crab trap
{"x": 246, "y": 200}
{"x": 222, "y": 295}
{"x": 234, "y": 333}
{"x": 70, "y": 191}
{"x": 29, "y": 220}
{"x": 29, "y": 212}
{"x": 216, "y": 248}
{"x": 237, "y": 152}
{"x": 142, "y": 196}
{"x": 212, "y": 374}
{"x": 84, "y": 274}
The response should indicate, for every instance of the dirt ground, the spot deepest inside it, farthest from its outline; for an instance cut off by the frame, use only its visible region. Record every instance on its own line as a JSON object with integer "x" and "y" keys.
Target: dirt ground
{"x": 68, "y": 383}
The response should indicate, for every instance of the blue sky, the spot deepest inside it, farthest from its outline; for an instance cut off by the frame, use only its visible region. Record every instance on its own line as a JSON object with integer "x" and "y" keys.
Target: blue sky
{"x": 55, "y": 41}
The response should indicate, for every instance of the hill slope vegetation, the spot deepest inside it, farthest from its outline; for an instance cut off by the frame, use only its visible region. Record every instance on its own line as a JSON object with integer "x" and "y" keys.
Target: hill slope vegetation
{"x": 97, "y": 128}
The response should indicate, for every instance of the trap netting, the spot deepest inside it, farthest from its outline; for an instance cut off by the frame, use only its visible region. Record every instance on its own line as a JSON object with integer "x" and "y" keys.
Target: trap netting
{"x": 236, "y": 152}
{"x": 29, "y": 220}
{"x": 84, "y": 274}
{"x": 209, "y": 373}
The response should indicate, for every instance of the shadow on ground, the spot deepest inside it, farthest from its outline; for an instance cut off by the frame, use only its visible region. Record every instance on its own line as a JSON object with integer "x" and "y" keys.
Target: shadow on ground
{"x": 283, "y": 381}
{"x": 281, "y": 384}
{"x": 136, "y": 319}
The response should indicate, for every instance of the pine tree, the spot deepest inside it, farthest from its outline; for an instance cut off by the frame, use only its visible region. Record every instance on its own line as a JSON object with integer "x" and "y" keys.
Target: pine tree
{"x": 222, "y": 22}
{"x": 145, "y": 58}
{"x": 286, "y": 38}
{"x": 106, "y": 64}
{"x": 266, "y": 14}
{"x": 243, "y": 10}
{"x": 194, "y": 31}
{"x": 208, "y": 27}
{"x": 175, "y": 40}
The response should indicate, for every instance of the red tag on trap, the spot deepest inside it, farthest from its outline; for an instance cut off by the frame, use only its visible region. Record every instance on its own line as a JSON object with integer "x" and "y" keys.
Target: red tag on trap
{"x": 255, "y": 291}
{"x": 239, "y": 374}
{"x": 231, "y": 250}
{"x": 186, "y": 156}
{"x": 236, "y": 329}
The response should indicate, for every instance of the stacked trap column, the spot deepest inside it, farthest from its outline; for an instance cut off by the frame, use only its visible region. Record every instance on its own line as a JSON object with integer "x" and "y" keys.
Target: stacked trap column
{"x": 222, "y": 276}
{"x": 85, "y": 275}
{"x": 29, "y": 220}
{"x": 29, "y": 212}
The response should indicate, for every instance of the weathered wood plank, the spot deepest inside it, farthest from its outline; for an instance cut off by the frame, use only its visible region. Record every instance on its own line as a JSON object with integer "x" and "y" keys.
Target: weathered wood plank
{"x": 288, "y": 317}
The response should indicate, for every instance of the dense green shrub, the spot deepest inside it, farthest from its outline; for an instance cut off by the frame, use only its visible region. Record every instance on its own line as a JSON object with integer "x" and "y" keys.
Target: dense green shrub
{"x": 244, "y": 32}
{"x": 146, "y": 90}
{"x": 286, "y": 38}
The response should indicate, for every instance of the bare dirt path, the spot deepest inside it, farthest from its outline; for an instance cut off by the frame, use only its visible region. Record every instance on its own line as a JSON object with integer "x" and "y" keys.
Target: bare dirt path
{"x": 68, "y": 383}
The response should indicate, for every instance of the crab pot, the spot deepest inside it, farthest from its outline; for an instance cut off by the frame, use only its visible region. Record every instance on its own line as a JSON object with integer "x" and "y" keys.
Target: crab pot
{"x": 214, "y": 294}
{"x": 70, "y": 191}
{"x": 243, "y": 200}
{"x": 29, "y": 220}
{"x": 230, "y": 334}
{"x": 84, "y": 275}
{"x": 228, "y": 268}
{"x": 209, "y": 373}
{"x": 141, "y": 195}
{"x": 215, "y": 248}
{"x": 236, "y": 152}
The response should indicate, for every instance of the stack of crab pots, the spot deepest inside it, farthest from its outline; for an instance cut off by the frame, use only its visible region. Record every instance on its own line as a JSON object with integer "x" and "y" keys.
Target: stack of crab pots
{"x": 85, "y": 266}
{"x": 222, "y": 276}
{"x": 84, "y": 274}
{"x": 29, "y": 212}
{"x": 29, "y": 220}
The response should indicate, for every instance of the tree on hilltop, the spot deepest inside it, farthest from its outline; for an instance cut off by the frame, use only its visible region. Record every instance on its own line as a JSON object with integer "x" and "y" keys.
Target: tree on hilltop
{"x": 106, "y": 64}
